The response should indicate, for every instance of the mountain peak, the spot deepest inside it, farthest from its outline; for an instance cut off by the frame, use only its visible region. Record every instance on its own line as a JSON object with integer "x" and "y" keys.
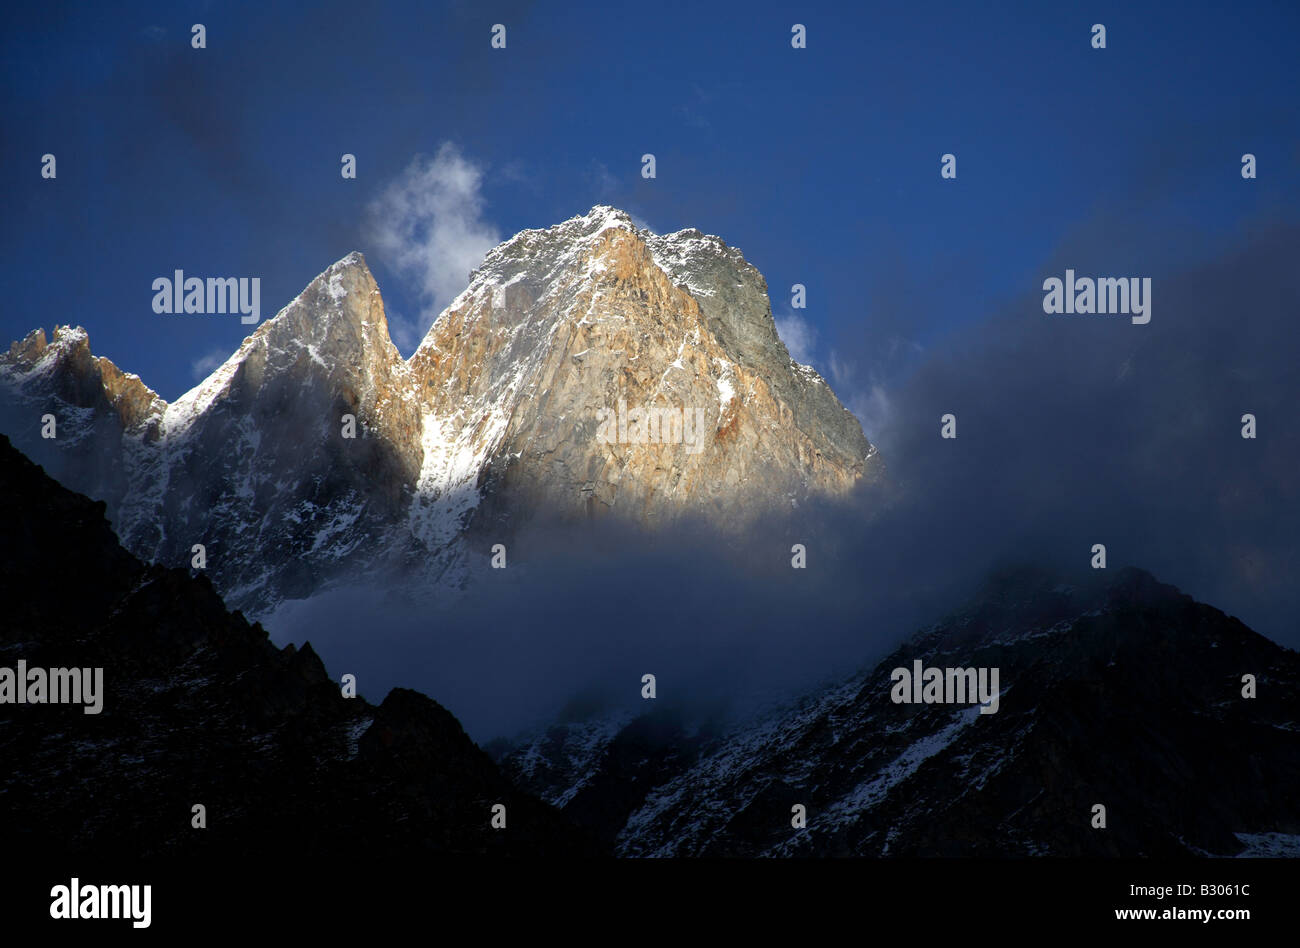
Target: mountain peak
{"x": 71, "y": 337}
{"x": 353, "y": 259}
{"x": 70, "y": 344}
{"x": 317, "y": 446}
{"x": 336, "y": 327}
{"x": 333, "y": 334}
{"x": 29, "y": 348}
{"x": 607, "y": 215}
{"x": 346, "y": 290}
{"x": 67, "y": 371}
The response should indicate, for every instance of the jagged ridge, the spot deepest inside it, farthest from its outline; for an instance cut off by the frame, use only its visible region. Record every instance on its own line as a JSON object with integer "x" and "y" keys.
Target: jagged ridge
{"x": 493, "y": 418}
{"x": 1118, "y": 691}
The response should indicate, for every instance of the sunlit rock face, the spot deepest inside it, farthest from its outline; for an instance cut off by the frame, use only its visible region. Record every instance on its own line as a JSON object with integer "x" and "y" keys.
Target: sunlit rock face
{"x": 592, "y": 369}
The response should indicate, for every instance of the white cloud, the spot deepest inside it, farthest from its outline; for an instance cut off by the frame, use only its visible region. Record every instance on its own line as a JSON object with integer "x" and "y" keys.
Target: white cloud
{"x": 429, "y": 226}
{"x": 870, "y": 402}
{"x": 868, "y": 399}
{"x": 874, "y": 409}
{"x": 601, "y": 181}
{"x": 799, "y": 337}
{"x": 205, "y": 365}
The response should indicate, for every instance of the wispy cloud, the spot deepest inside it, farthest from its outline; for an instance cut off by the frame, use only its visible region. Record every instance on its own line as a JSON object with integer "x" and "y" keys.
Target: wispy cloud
{"x": 429, "y": 226}
{"x": 799, "y": 336}
{"x": 868, "y": 400}
{"x": 206, "y": 364}
{"x": 601, "y": 181}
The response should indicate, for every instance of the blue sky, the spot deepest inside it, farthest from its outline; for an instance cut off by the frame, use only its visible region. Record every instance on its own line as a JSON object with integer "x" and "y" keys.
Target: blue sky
{"x": 821, "y": 164}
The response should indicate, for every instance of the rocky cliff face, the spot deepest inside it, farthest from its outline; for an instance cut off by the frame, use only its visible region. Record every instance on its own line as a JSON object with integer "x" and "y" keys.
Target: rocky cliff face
{"x": 100, "y": 414}
{"x": 1124, "y": 693}
{"x": 590, "y": 369}
{"x": 593, "y": 315}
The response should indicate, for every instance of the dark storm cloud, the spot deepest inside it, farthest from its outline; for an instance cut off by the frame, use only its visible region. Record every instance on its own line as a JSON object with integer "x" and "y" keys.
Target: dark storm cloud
{"x": 1074, "y": 430}
{"x": 1071, "y": 431}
